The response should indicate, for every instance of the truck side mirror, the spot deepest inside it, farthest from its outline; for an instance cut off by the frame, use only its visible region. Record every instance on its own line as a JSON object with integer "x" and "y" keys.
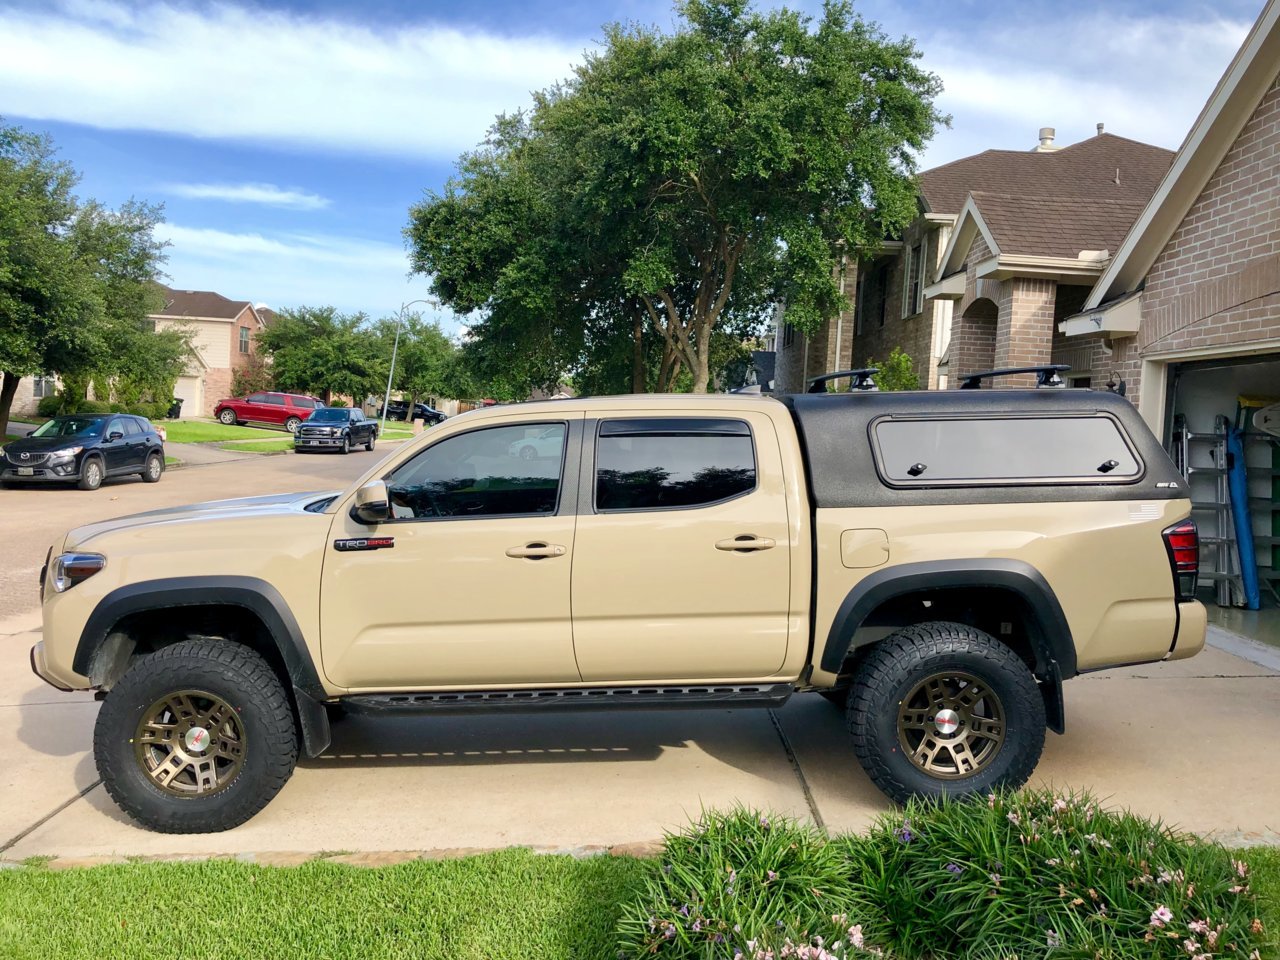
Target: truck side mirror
{"x": 372, "y": 504}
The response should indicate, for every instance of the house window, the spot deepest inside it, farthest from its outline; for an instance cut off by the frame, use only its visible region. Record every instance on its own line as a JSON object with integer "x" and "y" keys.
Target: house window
{"x": 880, "y": 294}
{"x": 44, "y": 387}
{"x": 244, "y": 339}
{"x": 913, "y": 292}
{"x": 788, "y": 335}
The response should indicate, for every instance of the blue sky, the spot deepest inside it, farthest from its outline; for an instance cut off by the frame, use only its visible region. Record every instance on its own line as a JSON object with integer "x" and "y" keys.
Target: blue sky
{"x": 287, "y": 140}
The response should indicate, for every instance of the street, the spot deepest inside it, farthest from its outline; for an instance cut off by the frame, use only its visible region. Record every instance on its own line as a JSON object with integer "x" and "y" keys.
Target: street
{"x": 1138, "y": 737}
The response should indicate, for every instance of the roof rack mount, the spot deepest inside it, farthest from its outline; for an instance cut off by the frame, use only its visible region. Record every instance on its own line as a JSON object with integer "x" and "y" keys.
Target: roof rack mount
{"x": 1046, "y": 376}
{"x": 861, "y": 380}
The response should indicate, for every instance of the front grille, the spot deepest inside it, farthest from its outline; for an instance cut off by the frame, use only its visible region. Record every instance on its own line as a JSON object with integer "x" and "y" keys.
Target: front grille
{"x": 317, "y": 432}
{"x": 25, "y": 459}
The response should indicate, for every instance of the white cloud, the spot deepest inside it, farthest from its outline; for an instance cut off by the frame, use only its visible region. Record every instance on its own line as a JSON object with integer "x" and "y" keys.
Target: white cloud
{"x": 272, "y": 76}
{"x": 1145, "y": 77}
{"x": 294, "y": 269}
{"x": 267, "y": 194}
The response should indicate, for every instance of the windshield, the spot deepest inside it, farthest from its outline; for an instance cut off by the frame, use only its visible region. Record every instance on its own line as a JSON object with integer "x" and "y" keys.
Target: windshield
{"x": 328, "y": 415}
{"x": 70, "y": 427}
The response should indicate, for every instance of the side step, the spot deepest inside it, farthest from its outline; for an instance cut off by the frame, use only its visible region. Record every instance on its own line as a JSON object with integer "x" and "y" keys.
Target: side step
{"x": 571, "y": 698}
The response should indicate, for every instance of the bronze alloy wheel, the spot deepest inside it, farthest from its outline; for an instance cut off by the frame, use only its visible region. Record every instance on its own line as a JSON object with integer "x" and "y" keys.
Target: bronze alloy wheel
{"x": 951, "y": 725}
{"x": 190, "y": 743}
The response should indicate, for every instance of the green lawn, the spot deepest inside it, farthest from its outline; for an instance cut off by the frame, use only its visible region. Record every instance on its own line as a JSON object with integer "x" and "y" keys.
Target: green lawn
{"x": 11, "y": 436}
{"x": 171, "y": 461}
{"x": 259, "y": 446}
{"x": 513, "y": 904}
{"x": 207, "y": 431}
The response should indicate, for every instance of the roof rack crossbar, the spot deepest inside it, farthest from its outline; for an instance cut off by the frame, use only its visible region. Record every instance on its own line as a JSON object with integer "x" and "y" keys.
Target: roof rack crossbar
{"x": 1046, "y": 376}
{"x": 861, "y": 379}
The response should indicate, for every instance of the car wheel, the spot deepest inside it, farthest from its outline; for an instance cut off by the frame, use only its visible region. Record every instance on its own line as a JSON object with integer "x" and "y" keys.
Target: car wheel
{"x": 945, "y": 709}
{"x": 154, "y": 468}
{"x": 346, "y": 444}
{"x": 90, "y": 474}
{"x": 527, "y": 453}
{"x": 373, "y": 438}
{"x": 292, "y": 424}
{"x": 228, "y": 416}
{"x": 196, "y": 737}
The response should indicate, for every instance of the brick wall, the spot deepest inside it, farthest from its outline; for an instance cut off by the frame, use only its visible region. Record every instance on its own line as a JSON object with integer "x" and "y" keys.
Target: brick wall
{"x": 819, "y": 352}
{"x": 246, "y": 320}
{"x": 1217, "y": 282}
{"x": 217, "y": 386}
{"x": 1024, "y": 333}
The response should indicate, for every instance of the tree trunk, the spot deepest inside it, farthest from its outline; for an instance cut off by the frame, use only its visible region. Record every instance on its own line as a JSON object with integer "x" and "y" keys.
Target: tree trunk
{"x": 637, "y": 358}
{"x": 326, "y": 395}
{"x": 8, "y": 390}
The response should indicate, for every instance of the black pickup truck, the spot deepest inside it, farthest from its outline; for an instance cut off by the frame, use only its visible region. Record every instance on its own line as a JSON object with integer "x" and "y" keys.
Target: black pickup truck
{"x": 335, "y": 428}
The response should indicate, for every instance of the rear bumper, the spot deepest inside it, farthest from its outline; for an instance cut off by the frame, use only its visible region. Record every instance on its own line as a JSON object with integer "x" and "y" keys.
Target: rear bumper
{"x": 1193, "y": 622}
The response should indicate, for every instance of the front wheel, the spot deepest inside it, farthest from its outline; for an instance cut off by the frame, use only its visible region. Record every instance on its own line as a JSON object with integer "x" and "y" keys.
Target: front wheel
{"x": 527, "y": 453}
{"x": 90, "y": 474}
{"x": 228, "y": 416}
{"x": 196, "y": 737}
{"x": 944, "y": 708}
{"x": 346, "y": 444}
{"x": 154, "y": 468}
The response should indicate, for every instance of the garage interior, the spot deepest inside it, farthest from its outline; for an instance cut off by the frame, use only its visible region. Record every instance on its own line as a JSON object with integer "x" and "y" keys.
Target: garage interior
{"x": 1206, "y": 399}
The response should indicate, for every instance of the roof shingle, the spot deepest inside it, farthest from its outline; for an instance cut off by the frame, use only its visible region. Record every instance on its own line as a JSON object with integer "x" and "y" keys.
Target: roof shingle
{"x": 200, "y": 303}
{"x": 1056, "y": 226}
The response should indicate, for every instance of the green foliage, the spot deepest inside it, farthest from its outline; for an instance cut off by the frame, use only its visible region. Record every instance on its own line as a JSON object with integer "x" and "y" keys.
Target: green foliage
{"x": 51, "y": 406}
{"x": 319, "y": 351}
{"x": 512, "y": 905}
{"x": 254, "y": 377}
{"x": 686, "y": 180}
{"x": 896, "y": 373}
{"x": 428, "y": 363}
{"x": 93, "y": 406}
{"x": 337, "y": 402}
{"x": 738, "y": 882}
{"x": 1035, "y": 874}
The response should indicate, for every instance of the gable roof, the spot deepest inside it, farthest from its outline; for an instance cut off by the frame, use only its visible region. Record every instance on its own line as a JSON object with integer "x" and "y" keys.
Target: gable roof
{"x": 202, "y": 304}
{"x": 1055, "y": 226}
{"x": 1233, "y": 101}
{"x": 1088, "y": 170}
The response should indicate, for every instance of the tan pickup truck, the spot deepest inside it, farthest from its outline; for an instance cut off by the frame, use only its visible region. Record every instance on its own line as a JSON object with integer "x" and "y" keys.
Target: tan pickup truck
{"x": 937, "y": 563}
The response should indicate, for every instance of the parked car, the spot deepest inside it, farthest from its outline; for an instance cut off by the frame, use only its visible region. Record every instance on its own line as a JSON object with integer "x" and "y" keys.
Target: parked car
{"x": 935, "y": 562}
{"x": 542, "y": 443}
{"x": 335, "y": 428}
{"x": 399, "y": 409}
{"x": 84, "y": 449}
{"x": 281, "y": 409}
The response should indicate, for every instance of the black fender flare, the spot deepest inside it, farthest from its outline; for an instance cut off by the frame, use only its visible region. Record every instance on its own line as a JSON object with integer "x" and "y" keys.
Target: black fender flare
{"x": 253, "y": 594}
{"x": 1051, "y": 636}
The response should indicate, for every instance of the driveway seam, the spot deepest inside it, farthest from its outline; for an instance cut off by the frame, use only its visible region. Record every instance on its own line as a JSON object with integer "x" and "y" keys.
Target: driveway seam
{"x": 795, "y": 765}
{"x": 22, "y": 834}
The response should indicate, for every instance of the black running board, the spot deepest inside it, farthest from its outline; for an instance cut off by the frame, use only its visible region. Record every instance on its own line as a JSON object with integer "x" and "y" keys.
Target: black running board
{"x": 572, "y": 698}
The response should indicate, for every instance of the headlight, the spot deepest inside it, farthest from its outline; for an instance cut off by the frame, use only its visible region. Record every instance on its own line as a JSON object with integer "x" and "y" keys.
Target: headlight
{"x": 71, "y": 568}
{"x": 63, "y": 454}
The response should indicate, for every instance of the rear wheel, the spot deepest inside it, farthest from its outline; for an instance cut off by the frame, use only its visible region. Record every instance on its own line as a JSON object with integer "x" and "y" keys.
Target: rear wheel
{"x": 944, "y": 708}
{"x": 373, "y": 438}
{"x": 90, "y": 474}
{"x": 228, "y": 416}
{"x": 527, "y": 453}
{"x": 154, "y": 469}
{"x": 195, "y": 738}
{"x": 292, "y": 424}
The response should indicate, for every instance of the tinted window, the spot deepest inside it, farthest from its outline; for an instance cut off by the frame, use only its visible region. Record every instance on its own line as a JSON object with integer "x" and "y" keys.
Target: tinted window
{"x": 115, "y": 426}
{"x": 1004, "y": 450}
{"x": 327, "y": 415}
{"x": 256, "y": 398}
{"x": 143, "y": 424}
{"x": 131, "y": 428}
{"x": 304, "y": 402}
{"x": 484, "y": 473}
{"x": 274, "y": 398}
{"x": 357, "y": 415}
{"x": 666, "y": 463}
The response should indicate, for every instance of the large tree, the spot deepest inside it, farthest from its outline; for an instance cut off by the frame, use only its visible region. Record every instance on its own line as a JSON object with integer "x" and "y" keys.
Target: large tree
{"x": 427, "y": 362}
{"x": 677, "y": 181}
{"x": 319, "y": 350}
{"x": 76, "y": 278}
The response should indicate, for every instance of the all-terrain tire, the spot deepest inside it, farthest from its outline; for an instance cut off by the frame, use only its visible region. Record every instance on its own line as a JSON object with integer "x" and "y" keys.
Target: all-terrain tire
{"x": 244, "y": 681}
{"x": 914, "y": 654}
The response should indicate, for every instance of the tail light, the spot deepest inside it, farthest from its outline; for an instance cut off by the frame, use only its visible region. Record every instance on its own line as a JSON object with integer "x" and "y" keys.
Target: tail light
{"x": 1183, "y": 543}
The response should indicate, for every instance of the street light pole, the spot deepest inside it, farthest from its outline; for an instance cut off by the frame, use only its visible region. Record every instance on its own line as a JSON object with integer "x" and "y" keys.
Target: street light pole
{"x": 395, "y": 348}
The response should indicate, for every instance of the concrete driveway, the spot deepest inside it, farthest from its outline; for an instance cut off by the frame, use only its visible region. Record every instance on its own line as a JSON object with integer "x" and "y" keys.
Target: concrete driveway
{"x": 1178, "y": 741}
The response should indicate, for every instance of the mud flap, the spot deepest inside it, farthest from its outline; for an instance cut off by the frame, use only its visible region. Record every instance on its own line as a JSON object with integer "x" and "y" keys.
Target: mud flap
{"x": 1055, "y": 708}
{"x": 314, "y": 721}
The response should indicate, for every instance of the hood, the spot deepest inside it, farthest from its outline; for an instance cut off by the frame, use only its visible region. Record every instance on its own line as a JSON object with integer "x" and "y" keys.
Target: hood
{"x": 47, "y": 444}
{"x": 275, "y": 505}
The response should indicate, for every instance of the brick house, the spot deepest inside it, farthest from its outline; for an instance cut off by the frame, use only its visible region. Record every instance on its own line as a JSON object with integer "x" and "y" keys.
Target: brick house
{"x": 225, "y": 331}
{"x": 1006, "y": 243}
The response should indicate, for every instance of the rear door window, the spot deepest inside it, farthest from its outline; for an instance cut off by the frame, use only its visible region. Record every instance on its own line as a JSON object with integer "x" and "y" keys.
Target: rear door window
{"x": 672, "y": 463}
{"x": 1003, "y": 450}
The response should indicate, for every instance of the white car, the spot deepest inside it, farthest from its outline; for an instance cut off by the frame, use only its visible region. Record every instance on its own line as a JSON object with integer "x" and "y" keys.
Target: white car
{"x": 546, "y": 443}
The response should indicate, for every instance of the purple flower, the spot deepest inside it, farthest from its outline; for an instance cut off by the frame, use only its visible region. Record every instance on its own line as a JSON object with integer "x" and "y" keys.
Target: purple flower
{"x": 954, "y": 869}
{"x": 772, "y": 875}
{"x": 669, "y": 932}
{"x": 697, "y": 925}
{"x": 684, "y": 910}
{"x": 764, "y": 822}
{"x": 904, "y": 833}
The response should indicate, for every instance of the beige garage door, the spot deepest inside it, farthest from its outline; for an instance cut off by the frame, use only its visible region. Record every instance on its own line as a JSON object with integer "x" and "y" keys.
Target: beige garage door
{"x": 190, "y": 390}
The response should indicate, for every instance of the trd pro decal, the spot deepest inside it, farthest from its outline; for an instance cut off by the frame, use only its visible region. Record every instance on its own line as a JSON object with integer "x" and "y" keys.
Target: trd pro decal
{"x": 364, "y": 543}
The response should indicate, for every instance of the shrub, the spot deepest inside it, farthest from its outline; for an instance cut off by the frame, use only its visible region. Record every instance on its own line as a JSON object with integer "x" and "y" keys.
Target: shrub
{"x": 337, "y": 402}
{"x": 118, "y": 408}
{"x": 738, "y": 884}
{"x": 896, "y": 373}
{"x": 50, "y": 406}
{"x": 160, "y": 410}
{"x": 140, "y": 409}
{"x": 1034, "y": 875}
{"x": 92, "y": 406}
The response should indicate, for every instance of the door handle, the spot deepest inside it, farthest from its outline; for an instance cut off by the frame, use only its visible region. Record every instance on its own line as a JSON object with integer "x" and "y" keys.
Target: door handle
{"x": 536, "y": 551}
{"x": 746, "y": 543}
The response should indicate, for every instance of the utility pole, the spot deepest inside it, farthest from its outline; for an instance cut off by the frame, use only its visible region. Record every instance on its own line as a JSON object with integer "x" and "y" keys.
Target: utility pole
{"x": 395, "y": 348}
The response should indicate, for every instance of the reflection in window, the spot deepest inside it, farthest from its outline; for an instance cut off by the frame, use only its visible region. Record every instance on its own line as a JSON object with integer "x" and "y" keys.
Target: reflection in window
{"x": 484, "y": 473}
{"x": 673, "y": 467}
